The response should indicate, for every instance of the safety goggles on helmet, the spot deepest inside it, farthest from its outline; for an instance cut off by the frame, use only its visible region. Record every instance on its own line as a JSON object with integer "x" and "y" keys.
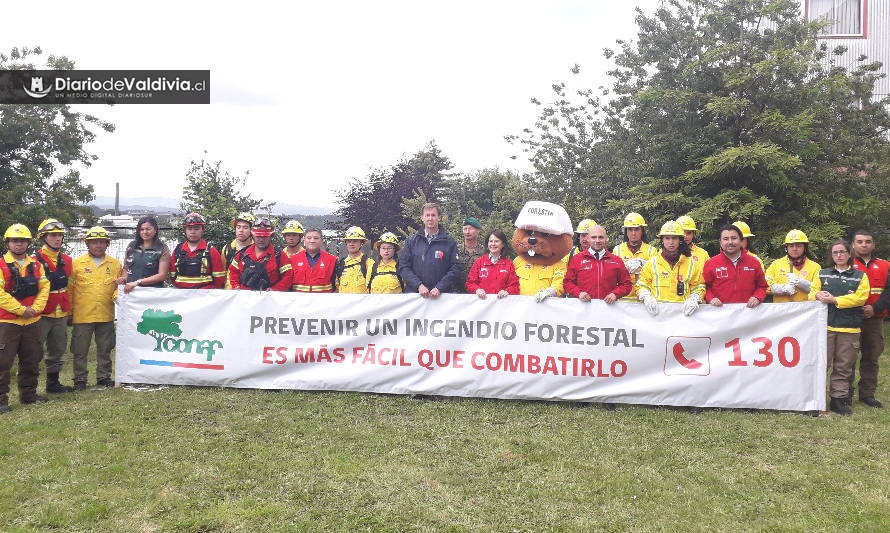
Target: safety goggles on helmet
{"x": 51, "y": 225}
{"x": 194, "y": 219}
{"x": 244, "y": 217}
{"x": 355, "y": 233}
{"x": 95, "y": 233}
{"x": 263, "y": 227}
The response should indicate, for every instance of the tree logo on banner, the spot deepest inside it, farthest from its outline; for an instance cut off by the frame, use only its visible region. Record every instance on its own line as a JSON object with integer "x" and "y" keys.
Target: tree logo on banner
{"x": 164, "y": 327}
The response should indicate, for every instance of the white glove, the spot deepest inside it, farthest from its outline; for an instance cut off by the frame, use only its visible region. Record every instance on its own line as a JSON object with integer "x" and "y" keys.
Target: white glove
{"x": 634, "y": 266}
{"x": 544, "y": 294}
{"x": 649, "y": 301}
{"x": 691, "y": 304}
{"x": 779, "y": 289}
{"x": 792, "y": 279}
{"x": 799, "y": 283}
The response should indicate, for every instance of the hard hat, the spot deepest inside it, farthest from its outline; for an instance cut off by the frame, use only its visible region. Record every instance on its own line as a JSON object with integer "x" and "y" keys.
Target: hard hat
{"x": 389, "y": 238}
{"x": 194, "y": 219}
{"x": 671, "y": 227}
{"x": 292, "y": 226}
{"x": 355, "y": 233}
{"x": 17, "y": 231}
{"x": 96, "y": 233}
{"x": 796, "y": 236}
{"x": 634, "y": 220}
{"x": 263, "y": 227}
{"x": 544, "y": 217}
{"x": 687, "y": 223}
{"x": 584, "y": 225}
{"x": 50, "y": 225}
{"x": 244, "y": 216}
{"x": 745, "y": 228}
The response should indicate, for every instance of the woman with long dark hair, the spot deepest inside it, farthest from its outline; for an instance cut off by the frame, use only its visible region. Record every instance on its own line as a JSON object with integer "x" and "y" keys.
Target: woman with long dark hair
{"x": 147, "y": 260}
{"x": 493, "y": 273}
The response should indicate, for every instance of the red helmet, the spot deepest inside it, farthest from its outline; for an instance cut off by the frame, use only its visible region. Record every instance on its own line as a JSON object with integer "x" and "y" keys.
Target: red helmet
{"x": 194, "y": 219}
{"x": 263, "y": 227}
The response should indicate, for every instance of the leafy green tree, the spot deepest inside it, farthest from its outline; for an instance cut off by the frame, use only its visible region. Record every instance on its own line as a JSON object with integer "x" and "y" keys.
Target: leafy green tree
{"x": 375, "y": 203}
{"x": 38, "y": 145}
{"x": 218, "y": 195}
{"x": 160, "y": 325}
{"x": 493, "y": 196}
{"x": 573, "y": 167}
{"x": 726, "y": 110}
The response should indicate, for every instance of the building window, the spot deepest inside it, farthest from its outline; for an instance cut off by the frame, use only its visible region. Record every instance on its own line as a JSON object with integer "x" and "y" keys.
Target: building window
{"x": 846, "y": 18}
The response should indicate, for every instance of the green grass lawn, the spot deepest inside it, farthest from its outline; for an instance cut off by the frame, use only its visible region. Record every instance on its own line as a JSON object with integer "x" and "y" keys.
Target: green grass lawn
{"x": 206, "y": 459}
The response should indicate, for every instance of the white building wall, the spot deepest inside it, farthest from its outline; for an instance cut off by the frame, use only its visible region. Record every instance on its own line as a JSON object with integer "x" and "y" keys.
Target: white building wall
{"x": 875, "y": 44}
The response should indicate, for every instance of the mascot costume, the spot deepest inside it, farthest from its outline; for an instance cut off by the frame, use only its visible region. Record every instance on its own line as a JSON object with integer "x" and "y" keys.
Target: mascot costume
{"x": 542, "y": 239}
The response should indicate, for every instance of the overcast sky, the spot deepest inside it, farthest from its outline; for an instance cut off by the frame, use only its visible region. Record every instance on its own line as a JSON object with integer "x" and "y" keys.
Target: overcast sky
{"x": 308, "y": 95}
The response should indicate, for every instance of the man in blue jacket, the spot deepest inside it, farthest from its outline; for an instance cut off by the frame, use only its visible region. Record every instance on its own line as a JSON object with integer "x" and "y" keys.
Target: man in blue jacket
{"x": 428, "y": 263}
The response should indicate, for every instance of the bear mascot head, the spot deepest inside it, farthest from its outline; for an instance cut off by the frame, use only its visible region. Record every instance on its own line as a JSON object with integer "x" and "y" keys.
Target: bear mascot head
{"x": 543, "y": 233}
{"x": 542, "y": 239}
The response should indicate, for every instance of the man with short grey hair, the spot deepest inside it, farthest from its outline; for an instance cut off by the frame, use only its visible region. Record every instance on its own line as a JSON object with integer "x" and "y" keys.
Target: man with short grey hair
{"x": 428, "y": 263}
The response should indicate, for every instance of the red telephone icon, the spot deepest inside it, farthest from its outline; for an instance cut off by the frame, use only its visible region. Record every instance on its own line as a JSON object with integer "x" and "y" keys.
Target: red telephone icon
{"x": 680, "y": 356}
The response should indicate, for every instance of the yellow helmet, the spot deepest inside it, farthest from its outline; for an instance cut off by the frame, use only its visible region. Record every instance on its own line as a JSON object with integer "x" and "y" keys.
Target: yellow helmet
{"x": 671, "y": 227}
{"x": 17, "y": 231}
{"x": 292, "y": 226}
{"x": 634, "y": 220}
{"x": 355, "y": 233}
{"x": 96, "y": 233}
{"x": 245, "y": 216}
{"x": 796, "y": 236}
{"x": 585, "y": 225}
{"x": 744, "y": 227}
{"x": 687, "y": 223}
{"x": 389, "y": 238}
{"x": 50, "y": 225}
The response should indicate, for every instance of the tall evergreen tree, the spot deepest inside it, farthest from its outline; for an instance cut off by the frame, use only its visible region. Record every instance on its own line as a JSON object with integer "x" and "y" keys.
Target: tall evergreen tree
{"x": 732, "y": 109}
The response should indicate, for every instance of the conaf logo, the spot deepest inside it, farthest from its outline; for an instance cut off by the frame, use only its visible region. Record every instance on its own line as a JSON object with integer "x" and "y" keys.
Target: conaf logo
{"x": 36, "y": 90}
{"x": 163, "y": 326}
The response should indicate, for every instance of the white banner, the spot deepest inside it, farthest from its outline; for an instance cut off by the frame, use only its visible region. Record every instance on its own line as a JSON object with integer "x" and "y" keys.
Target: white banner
{"x": 769, "y": 357}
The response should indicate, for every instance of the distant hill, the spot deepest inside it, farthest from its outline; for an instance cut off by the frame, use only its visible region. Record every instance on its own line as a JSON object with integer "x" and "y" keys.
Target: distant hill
{"x": 152, "y": 204}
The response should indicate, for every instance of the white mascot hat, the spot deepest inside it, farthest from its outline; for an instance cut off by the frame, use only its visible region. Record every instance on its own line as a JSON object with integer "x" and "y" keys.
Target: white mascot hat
{"x": 544, "y": 217}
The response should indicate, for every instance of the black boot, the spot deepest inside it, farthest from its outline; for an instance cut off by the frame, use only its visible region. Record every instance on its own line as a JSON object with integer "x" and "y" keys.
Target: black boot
{"x": 841, "y": 406}
{"x": 54, "y": 386}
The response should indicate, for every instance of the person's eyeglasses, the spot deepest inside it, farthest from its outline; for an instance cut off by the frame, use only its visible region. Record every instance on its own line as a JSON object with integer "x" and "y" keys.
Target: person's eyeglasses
{"x": 839, "y": 252}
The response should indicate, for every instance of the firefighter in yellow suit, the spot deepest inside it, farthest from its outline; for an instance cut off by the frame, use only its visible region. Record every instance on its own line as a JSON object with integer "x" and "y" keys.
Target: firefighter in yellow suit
{"x": 24, "y": 290}
{"x": 690, "y": 230}
{"x": 353, "y": 271}
{"x": 672, "y": 275}
{"x": 634, "y": 251}
{"x": 790, "y": 278}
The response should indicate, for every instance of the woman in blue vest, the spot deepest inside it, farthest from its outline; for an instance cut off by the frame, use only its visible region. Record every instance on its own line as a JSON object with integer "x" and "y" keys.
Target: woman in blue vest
{"x": 147, "y": 260}
{"x": 844, "y": 290}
